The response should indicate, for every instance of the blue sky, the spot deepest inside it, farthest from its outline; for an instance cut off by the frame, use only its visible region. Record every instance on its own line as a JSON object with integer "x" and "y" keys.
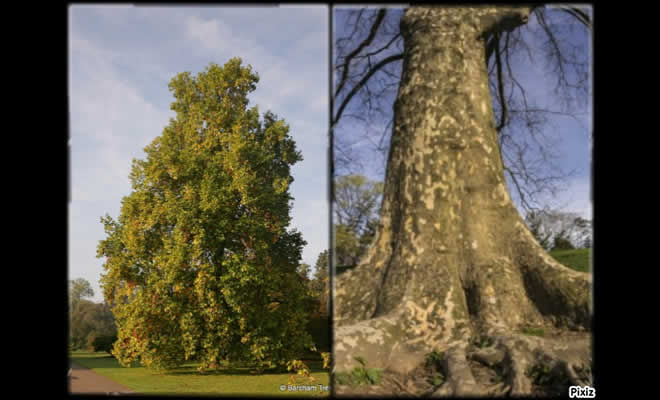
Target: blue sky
{"x": 121, "y": 59}
{"x": 571, "y": 136}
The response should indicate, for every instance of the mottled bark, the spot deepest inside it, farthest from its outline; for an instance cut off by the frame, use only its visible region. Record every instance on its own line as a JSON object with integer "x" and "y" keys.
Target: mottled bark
{"x": 452, "y": 259}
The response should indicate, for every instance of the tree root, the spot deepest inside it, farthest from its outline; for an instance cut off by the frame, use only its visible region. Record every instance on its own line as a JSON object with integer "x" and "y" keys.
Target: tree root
{"x": 518, "y": 364}
{"x": 539, "y": 365}
{"x": 558, "y": 292}
{"x": 531, "y": 328}
{"x": 489, "y": 356}
{"x": 459, "y": 374}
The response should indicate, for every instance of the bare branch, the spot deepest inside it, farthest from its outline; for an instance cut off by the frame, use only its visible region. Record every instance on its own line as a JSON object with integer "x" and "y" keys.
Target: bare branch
{"x": 365, "y": 43}
{"x": 375, "y": 52}
{"x": 578, "y": 14}
{"x": 361, "y": 83}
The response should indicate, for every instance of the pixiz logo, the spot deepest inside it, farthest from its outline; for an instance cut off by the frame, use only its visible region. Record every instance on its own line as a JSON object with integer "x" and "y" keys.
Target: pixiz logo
{"x": 580, "y": 392}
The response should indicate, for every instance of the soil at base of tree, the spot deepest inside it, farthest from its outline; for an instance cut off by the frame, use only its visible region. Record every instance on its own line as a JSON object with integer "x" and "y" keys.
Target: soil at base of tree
{"x": 419, "y": 383}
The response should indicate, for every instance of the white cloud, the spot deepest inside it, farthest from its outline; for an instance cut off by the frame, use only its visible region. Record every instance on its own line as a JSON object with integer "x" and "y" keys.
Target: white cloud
{"x": 577, "y": 198}
{"x": 211, "y": 34}
{"x": 110, "y": 117}
{"x": 574, "y": 198}
{"x": 217, "y": 38}
{"x": 282, "y": 80}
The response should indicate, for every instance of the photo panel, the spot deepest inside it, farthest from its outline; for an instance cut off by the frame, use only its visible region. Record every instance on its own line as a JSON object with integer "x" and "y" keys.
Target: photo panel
{"x": 199, "y": 213}
{"x": 462, "y": 215}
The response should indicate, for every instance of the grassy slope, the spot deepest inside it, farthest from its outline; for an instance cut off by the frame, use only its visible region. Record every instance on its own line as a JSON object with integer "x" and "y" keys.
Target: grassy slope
{"x": 186, "y": 380}
{"x": 578, "y": 259}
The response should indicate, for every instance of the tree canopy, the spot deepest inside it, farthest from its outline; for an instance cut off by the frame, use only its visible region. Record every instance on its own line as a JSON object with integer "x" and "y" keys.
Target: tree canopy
{"x": 201, "y": 262}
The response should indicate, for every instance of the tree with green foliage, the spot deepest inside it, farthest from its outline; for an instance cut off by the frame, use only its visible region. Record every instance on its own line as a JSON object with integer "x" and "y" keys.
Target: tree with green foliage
{"x": 320, "y": 283}
{"x": 79, "y": 289}
{"x": 562, "y": 243}
{"x": 304, "y": 271}
{"x": 347, "y": 246}
{"x": 356, "y": 204}
{"x": 103, "y": 343}
{"x": 89, "y": 320}
{"x": 310, "y": 303}
{"x": 201, "y": 263}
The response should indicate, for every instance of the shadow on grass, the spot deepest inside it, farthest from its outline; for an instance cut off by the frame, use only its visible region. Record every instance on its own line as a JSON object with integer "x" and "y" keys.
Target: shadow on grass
{"x": 91, "y": 360}
{"x": 314, "y": 366}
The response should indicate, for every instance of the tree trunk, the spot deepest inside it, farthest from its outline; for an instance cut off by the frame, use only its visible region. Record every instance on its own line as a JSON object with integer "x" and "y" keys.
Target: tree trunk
{"x": 452, "y": 261}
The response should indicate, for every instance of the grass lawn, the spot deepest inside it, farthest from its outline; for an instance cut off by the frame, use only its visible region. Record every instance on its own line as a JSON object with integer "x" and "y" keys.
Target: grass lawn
{"x": 186, "y": 379}
{"x": 578, "y": 259}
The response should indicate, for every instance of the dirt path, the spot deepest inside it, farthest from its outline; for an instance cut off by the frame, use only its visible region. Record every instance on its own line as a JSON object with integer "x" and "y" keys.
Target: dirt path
{"x": 84, "y": 380}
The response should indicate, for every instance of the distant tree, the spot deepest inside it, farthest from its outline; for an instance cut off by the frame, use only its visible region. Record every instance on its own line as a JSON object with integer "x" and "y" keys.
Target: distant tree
{"x": 368, "y": 234}
{"x": 78, "y": 289}
{"x": 310, "y": 301}
{"x": 356, "y": 204}
{"x": 90, "y": 340}
{"x": 320, "y": 284}
{"x": 80, "y": 325}
{"x": 104, "y": 320}
{"x": 562, "y": 243}
{"x": 356, "y": 200}
{"x": 554, "y": 229}
{"x": 89, "y": 320}
{"x": 201, "y": 262}
{"x": 104, "y": 343}
{"x": 535, "y": 224}
{"x": 347, "y": 245}
{"x": 304, "y": 272}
